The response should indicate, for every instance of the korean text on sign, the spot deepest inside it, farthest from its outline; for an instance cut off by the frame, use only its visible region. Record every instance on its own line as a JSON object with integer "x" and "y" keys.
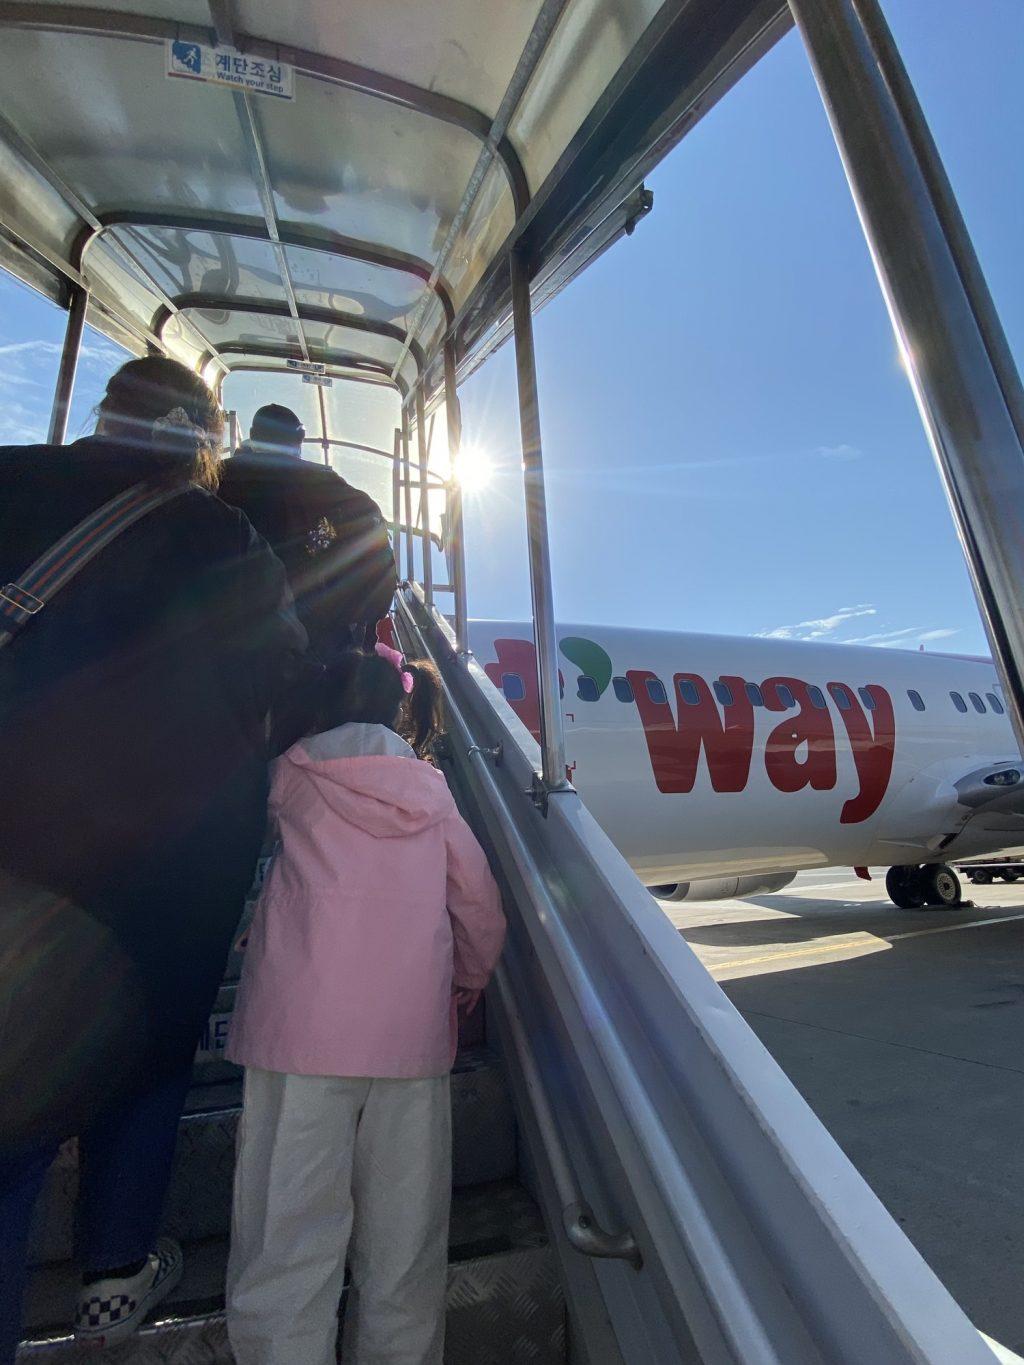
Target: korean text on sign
{"x": 225, "y": 66}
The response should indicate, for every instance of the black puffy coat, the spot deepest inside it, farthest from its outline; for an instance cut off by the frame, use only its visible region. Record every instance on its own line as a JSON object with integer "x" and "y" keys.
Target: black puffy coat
{"x": 132, "y": 747}
{"x": 330, "y": 537}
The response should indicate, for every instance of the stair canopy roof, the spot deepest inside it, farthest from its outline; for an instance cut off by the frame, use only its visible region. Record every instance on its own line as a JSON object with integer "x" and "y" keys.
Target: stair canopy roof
{"x": 244, "y": 182}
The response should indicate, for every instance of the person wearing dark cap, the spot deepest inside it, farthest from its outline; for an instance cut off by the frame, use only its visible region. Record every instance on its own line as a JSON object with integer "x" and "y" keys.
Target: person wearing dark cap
{"x": 330, "y": 536}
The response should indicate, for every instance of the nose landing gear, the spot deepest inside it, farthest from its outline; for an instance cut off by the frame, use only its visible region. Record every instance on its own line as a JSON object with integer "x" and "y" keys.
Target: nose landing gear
{"x": 935, "y": 886}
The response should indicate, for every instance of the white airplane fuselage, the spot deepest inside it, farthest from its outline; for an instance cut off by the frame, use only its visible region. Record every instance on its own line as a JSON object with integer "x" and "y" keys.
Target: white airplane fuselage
{"x": 697, "y": 765}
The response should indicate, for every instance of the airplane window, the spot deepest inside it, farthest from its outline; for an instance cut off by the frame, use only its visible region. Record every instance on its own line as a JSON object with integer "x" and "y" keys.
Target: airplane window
{"x": 623, "y": 689}
{"x": 784, "y": 694}
{"x": 995, "y": 703}
{"x": 512, "y": 686}
{"x": 754, "y": 693}
{"x": 958, "y": 701}
{"x": 723, "y": 692}
{"x": 587, "y": 688}
{"x": 688, "y": 692}
{"x": 817, "y": 698}
{"x": 840, "y": 696}
{"x": 916, "y": 700}
{"x": 866, "y": 698}
{"x": 656, "y": 691}
{"x": 977, "y": 703}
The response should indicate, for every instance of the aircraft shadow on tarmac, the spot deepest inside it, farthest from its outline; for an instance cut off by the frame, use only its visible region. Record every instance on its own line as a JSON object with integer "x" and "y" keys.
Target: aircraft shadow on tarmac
{"x": 913, "y": 1057}
{"x": 807, "y": 921}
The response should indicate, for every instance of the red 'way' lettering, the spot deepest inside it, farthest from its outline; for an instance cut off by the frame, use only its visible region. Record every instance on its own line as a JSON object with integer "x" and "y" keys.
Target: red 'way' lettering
{"x": 811, "y": 726}
{"x": 519, "y": 657}
{"x": 675, "y": 749}
{"x": 874, "y": 746}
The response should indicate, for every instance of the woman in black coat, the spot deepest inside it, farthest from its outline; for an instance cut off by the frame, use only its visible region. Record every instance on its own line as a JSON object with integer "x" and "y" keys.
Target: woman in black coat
{"x": 133, "y": 715}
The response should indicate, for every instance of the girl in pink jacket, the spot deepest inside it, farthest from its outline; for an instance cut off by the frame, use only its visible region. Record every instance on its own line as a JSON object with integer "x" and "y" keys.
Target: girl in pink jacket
{"x": 379, "y": 913}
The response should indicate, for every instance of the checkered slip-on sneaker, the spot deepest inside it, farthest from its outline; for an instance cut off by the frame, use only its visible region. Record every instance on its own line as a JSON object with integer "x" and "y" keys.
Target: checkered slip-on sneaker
{"x": 111, "y": 1310}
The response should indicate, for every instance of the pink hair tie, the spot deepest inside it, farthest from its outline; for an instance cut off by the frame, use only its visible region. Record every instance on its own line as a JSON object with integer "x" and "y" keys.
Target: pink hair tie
{"x": 397, "y": 661}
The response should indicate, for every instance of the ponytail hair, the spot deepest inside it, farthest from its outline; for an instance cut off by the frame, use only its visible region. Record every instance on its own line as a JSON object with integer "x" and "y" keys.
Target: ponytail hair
{"x": 365, "y": 689}
{"x": 157, "y": 407}
{"x": 422, "y": 722}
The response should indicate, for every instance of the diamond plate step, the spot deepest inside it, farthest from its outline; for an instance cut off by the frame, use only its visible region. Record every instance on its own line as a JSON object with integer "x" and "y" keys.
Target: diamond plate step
{"x": 199, "y": 1198}
{"x": 505, "y": 1304}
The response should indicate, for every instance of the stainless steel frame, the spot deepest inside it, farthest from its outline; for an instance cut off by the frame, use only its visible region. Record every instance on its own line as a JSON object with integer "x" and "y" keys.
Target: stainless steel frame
{"x": 552, "y": 740}
{"x": 103, "y": 23}
{"x": 967, "y": 388}
{"x": 68, "y": 366}
{"x": 457, "y": 528}
{"x": 410, "y": 567}
{"x": 289, "y": 234}
{"x": 396, "y": 500}
{"x": 229, "y": 303}
{"x": 424, "y": 458}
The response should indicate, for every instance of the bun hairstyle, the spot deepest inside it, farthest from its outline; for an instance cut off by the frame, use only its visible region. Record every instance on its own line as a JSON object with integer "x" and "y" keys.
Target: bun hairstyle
{"x": 362, "y": 688}
{"x": 161, "y": 408}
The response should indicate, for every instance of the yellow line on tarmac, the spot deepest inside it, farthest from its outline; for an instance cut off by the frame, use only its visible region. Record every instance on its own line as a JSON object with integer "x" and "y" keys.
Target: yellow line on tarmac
{"x": 859, "y": 939}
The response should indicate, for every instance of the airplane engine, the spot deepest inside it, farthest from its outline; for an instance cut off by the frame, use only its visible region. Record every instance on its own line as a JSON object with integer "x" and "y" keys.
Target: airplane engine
{"x": 722, "y": 888}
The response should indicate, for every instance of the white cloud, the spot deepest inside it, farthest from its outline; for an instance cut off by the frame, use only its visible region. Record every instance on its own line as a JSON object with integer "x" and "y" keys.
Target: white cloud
{"x": 839, "y": 452}
{"x": 830, "y": 628}
{"x": 908, "y": 638}
{"x": 821, "y": 628}
{"x": 21, "y": 348}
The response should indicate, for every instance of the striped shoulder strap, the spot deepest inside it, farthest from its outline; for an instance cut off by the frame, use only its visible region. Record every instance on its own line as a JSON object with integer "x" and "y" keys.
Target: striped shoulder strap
{"x": 40, "y": 583}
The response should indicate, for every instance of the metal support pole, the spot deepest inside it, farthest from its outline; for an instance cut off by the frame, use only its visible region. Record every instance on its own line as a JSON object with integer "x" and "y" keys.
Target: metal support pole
{"x": 967, "y": 390}
{"x": 410, "y": 567}
{"x": 232, "y": 431}
{"x": 421, "y": 445}
{"x": 68, "y": 365}
{"x": 552, "y": 740}
{"x": 456, "y": 527}
{"x": 324, "y": 442}
{"x": 396, "y": 501}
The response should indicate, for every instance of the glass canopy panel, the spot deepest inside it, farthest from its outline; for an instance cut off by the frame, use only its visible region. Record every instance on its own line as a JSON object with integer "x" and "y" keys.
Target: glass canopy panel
{"x": 370, "y": 291}
{"x": 107, "y": 119}
{"x": 593, "y": 39}
{"x": 204, "y": 262}
{"x": 467, "y": 51}
{"x": 184, "y": 11}
{"x": 489, "y": 222}
{"x": 351, "y": 163}
{"x": 222, "y": 326}
{"x": 362, "y": 413}
{"x": 31, "y": 208}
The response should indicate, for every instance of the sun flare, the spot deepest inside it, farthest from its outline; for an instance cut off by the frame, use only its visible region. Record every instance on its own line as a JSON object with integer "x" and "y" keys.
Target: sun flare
{"x": 473, "y": 468}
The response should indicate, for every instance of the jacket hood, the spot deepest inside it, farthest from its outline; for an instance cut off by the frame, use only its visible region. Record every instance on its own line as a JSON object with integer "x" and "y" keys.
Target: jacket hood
{"x": 371, "y": 778}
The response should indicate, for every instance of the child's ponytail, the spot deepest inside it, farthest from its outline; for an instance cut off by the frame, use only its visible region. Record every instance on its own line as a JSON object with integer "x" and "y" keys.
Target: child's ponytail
{"x": 422, "y": 719}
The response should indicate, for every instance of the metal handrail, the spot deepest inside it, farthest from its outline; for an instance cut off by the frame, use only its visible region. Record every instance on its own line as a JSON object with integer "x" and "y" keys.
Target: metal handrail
{"x": 582, "y": 1229}
{"x": 760, "y": 1239}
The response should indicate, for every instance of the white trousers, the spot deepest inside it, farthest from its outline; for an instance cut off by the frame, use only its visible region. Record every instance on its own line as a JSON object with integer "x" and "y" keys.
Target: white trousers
{"x": 326, "y": 1166}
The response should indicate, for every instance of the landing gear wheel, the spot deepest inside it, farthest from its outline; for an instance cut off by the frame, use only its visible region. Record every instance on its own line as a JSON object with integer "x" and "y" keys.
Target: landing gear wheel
{"x": 904, "y": 888}
{"x": 981, "y": 877}
{"x": 1010, "y": 876}
{"x": 940, "y": 886}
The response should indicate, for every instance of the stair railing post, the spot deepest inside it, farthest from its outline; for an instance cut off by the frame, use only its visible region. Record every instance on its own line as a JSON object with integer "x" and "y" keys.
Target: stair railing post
{"x": 456, "y": 527}
{"x": 967, "y": 389}
{"x": 396, "y": 501}
{"x": 421, "y": 446}
{"x": 70, "y": 352}
{"x": 410, "y": 565}
{"x": 552, "y": 740}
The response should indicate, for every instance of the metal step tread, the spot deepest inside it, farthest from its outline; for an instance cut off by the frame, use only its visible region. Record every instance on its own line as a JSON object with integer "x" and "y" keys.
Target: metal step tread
{"x": 504, "y": 1299}
{"x": 198, "y": 1201}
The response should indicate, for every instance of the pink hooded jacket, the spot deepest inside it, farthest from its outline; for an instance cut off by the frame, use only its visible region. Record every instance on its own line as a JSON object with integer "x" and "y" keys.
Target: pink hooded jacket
{"x": 377, "y": 903}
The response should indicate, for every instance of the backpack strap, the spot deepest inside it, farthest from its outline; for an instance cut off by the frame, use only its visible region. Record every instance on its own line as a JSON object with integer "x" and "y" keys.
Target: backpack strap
{"x": 53, "y": 570}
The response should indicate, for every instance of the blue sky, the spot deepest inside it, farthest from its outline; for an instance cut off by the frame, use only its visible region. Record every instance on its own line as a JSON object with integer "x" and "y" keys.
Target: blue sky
{"x": 731, "y": 443}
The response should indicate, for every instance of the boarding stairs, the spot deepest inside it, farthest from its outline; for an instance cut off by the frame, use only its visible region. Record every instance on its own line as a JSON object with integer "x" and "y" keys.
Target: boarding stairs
{"x": 636, "y": 1180}
{"x": 505, "y": 1301}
